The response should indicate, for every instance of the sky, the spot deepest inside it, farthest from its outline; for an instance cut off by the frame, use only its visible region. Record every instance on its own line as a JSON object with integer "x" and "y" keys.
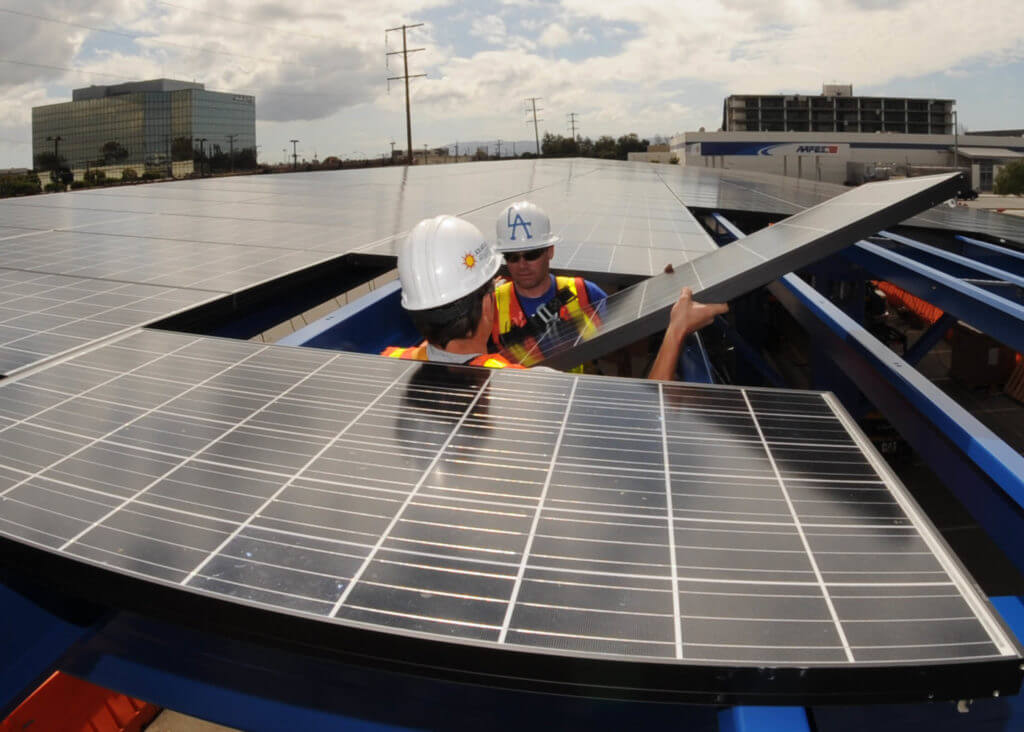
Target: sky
{"x": 653, "y": 67}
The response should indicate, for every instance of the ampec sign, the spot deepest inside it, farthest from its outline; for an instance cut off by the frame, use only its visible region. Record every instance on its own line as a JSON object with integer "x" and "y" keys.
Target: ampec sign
{"x": 804, "y": 149}
{"x": 767, "y": 149}
{"x": 817, "y": 149}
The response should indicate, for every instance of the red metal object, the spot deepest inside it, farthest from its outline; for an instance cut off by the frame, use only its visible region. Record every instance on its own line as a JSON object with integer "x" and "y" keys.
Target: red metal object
{"x": 66, "y": 704}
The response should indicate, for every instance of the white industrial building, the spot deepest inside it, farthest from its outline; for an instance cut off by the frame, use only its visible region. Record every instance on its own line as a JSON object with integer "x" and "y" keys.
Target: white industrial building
{"x": 849, "y": 157}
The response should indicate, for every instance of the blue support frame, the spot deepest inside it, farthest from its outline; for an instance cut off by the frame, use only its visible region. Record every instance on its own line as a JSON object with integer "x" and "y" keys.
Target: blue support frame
{"x": 955, "y": 264}
{"x": 1000, "y": 318}
{"x": 1010, "y": 260}
{"x": 763, "y": 719}
{"x": 367, "y": 325}
{"x": 927, "y": 340}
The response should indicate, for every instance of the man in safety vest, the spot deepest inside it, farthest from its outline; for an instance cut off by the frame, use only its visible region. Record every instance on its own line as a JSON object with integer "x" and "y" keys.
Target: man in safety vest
{"x": 534, "y": 298}
{"x": 447, "y": 270}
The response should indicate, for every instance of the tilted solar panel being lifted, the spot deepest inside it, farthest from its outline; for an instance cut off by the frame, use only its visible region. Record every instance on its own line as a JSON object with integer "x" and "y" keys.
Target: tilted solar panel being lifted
{"x": 526, "y": 529}
{"x": 740, "y": 267}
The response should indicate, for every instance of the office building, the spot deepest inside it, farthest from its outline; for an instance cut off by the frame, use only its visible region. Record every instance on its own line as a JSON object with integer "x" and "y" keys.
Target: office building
{"x": 836, "y": 110}
{"x": 147, "y": 125}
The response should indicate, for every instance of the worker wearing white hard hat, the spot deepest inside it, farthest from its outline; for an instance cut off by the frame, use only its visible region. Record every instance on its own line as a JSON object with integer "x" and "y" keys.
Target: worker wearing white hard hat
{"x": 535, "y": 297}
{"x": 447, "y": 269}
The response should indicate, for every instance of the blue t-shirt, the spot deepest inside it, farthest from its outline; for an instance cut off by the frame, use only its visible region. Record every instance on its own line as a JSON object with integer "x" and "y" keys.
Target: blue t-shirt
{"x": 594, "y": 293}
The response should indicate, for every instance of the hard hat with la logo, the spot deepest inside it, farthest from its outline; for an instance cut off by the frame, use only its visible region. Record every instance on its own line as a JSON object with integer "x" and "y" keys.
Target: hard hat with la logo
{"x": 523, "y": 226}
{"x": 443, "y": 259}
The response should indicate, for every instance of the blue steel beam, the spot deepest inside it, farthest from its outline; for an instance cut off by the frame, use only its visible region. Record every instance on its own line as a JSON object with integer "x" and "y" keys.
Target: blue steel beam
{"x": 927, "y": 340}
{"x": 998, "y": 317}
{"x": 930, "y": 420}
{"x": 967, "y": 268}
{"x": 763, "y": 719}
{"x": 1007, "y": 259}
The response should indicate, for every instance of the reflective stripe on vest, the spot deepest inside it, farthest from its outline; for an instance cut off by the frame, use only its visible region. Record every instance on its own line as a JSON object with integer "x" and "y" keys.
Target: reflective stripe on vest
{"x": 419, "y": 353}
{"x": 410, "y": 353}
{"x": 495, "y": 361}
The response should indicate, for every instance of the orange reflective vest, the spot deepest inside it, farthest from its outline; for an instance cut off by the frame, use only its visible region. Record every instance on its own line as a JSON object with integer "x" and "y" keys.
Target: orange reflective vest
{"x": 510, "y": 315}
{"x": 419, "y": 353}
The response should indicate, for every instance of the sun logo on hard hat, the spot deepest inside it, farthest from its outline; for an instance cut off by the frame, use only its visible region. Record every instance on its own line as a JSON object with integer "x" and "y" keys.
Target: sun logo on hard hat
{"x": 469, "y": 261}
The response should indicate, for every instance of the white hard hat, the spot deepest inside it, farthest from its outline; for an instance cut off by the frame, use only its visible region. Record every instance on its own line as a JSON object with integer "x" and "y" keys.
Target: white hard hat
{"x": 523, "y": 226}
{"x": 443, "y": 259}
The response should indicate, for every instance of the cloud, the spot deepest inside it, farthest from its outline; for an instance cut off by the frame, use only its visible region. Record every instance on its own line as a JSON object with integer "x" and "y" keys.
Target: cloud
{"x": 651, "y": 67}
{"x": 554, "y": 35}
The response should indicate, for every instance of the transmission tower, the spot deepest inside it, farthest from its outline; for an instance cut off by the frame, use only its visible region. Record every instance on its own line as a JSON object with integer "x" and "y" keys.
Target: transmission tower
{"x": 405, "y": 76}
{"x": 531, "y": 107}
{"x": 572, "y": 123}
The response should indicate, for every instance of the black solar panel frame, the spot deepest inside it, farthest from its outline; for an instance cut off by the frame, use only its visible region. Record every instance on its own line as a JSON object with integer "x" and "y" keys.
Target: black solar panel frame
{"x": 475, "y": 662}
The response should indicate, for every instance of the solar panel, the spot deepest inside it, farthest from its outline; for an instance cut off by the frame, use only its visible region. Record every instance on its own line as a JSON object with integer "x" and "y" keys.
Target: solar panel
{"x": 738, "y": 268}
{"x": 531, "y": 529}
{"x": 42, "y": 315}
{"x": 744, "y": 190}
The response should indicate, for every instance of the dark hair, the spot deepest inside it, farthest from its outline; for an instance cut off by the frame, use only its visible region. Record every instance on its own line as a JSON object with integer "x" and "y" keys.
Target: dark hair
{"x": 458, "y": 319}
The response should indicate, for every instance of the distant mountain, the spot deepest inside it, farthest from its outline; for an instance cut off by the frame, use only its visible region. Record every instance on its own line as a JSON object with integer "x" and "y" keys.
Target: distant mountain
{"x": 468, "y": 147}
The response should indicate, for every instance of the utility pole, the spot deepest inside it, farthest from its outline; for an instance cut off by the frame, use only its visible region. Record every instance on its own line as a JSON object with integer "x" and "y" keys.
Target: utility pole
{"x": 572, "y": 123}
{"x": 956, "y": 141}
{"x": 295, "y": 154}
{"x": 202, "y": 156}
{"x": 392, "y": 149}
{"x": 405, "y": 58}
{"x": 533, "y": 106}
{"x": 424, "y": 153}
{"x": 499, "y": 148}
{"x": 231, "y": 143}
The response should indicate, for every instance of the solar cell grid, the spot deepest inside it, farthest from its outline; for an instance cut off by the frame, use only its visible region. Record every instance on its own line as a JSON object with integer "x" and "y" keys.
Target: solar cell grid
{"x": 45, "y": 315}
{"x": 614, "y": 518}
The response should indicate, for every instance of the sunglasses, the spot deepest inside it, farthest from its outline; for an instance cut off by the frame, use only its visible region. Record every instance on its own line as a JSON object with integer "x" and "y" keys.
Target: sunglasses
{"x": 531, "y": 256}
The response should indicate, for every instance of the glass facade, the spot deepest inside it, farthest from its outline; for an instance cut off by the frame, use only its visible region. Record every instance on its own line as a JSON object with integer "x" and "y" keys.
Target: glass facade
{"x": 142, "y": 129}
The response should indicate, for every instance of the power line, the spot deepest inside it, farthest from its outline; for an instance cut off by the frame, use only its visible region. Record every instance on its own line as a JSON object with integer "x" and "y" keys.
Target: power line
{"x": 532, "y": 101}
{"x": 405, "y": 58}
{"x": 65, "y": 68}
{"x": 87, "y": 72}
{"x": 278, "y": 29}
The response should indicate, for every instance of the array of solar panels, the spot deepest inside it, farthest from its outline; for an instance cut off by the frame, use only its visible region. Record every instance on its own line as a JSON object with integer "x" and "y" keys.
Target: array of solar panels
{"x": 129, "y": 256}
{"x": 733, "y": 270}
{"x": 736, "y": 190}
{"x": 623, "y": 519}
{"x": 204, "y": 239}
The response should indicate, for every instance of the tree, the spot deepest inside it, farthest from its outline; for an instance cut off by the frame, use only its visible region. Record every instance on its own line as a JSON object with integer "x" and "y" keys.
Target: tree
{"x": 129, "y": 174}
{"x": 19, "y": 185}
{"x": 1010, "y": 181}
{"x": 604, "y": 147}
{"x": 629, "y": 143}
{"x": 95, "y": 177}
{"x": 181, "y": 149}
{"x": 49, "y": 161}
{"x": 113, "y": 152}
